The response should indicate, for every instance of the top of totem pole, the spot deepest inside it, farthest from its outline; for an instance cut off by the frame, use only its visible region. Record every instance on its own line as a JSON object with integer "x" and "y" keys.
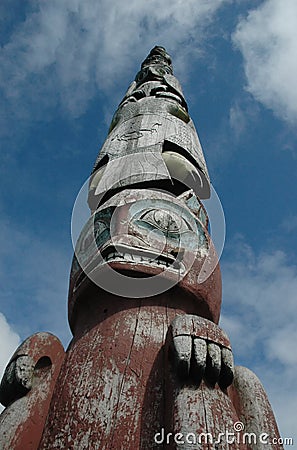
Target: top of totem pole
{"x": 152, "y": 141}
{"x": 158, "y": 55}
{"x": 155, "y": 65}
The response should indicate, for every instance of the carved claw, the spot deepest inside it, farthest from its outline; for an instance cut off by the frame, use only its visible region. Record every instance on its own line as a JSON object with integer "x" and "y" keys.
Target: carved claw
{"x": 201, "y": 349}
{"x": 213, "y": 363}
{"x": 199, "y": 358}
{"x": 183, "y": 349}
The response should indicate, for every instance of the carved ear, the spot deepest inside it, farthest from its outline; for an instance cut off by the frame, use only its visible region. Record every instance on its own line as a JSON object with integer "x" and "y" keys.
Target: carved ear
{"x": 97, "y": 175}
{"x": 182, "y": 169}
{"x": 95, "y": 180}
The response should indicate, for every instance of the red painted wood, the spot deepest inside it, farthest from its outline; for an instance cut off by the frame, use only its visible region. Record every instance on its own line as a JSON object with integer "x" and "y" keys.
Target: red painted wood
{"x": 200, "y": 415}
{"x": 110, "y": 392}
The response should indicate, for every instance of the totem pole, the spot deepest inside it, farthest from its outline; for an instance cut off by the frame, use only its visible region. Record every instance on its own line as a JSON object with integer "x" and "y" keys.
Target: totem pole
{"x": 148, "y": 366}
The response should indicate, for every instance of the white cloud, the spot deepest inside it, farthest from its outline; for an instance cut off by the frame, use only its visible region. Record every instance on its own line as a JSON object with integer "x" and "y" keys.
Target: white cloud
{"x": 260, "y": 316}
{"x": 9, "y": 341}
{"x": 267, "y": 38}
{"x": 64, "y": 51}
{"x": 282, "y": 345}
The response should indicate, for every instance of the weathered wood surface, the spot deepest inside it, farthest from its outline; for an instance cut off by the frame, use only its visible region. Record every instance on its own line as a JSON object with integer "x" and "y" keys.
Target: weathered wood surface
{"x": 199, "y": 415}
{"x": 110, "y": 393}
{"x": 198, "y": 405}
{"x": 254, "y": 410}
{"x": 26, "y": 390}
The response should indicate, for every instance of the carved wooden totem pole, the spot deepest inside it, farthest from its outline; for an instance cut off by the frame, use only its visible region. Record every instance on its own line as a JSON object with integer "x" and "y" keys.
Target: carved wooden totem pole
{"x": 148, "y": 365}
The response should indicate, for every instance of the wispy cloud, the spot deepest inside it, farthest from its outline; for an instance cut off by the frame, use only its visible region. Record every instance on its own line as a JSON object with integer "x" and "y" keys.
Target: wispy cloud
{"x": 34, "y": 279}
{"x": 289, "y": 223}
{"x": 267, "y": 38}
{"x": 260, "y": 314}
{"x": 243, "y": 112}
{"x": 237, "y": 120}
{"x": 64, "y": 51}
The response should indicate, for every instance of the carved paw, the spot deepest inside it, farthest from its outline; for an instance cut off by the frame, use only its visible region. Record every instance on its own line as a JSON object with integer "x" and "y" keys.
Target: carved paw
{"x": 201, "y": 349}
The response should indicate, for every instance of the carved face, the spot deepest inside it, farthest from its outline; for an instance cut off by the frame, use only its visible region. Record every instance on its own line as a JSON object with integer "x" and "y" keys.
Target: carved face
{"x": 151, "y": 143}
{"x": 143, "y": 234}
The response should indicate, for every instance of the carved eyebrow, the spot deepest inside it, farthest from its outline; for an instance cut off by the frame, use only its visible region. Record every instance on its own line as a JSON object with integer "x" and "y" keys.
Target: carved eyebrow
{"x": 182, "y": 224}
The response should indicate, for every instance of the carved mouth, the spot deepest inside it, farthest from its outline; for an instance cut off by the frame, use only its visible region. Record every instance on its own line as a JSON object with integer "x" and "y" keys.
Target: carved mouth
{"x": 122, "y": 256}
{"x": 132, "y": 255}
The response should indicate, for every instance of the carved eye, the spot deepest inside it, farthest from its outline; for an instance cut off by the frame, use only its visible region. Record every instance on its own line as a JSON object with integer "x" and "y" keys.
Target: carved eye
{"x": 165, "y": 221}
{"x": 161, "y": 71}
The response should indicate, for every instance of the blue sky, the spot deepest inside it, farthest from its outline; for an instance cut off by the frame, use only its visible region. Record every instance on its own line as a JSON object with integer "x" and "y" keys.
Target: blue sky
{"x": 65, "y": 65}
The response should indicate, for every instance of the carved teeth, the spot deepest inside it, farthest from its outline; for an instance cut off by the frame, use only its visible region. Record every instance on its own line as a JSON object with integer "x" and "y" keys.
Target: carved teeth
{"x": 129, "y": 257}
